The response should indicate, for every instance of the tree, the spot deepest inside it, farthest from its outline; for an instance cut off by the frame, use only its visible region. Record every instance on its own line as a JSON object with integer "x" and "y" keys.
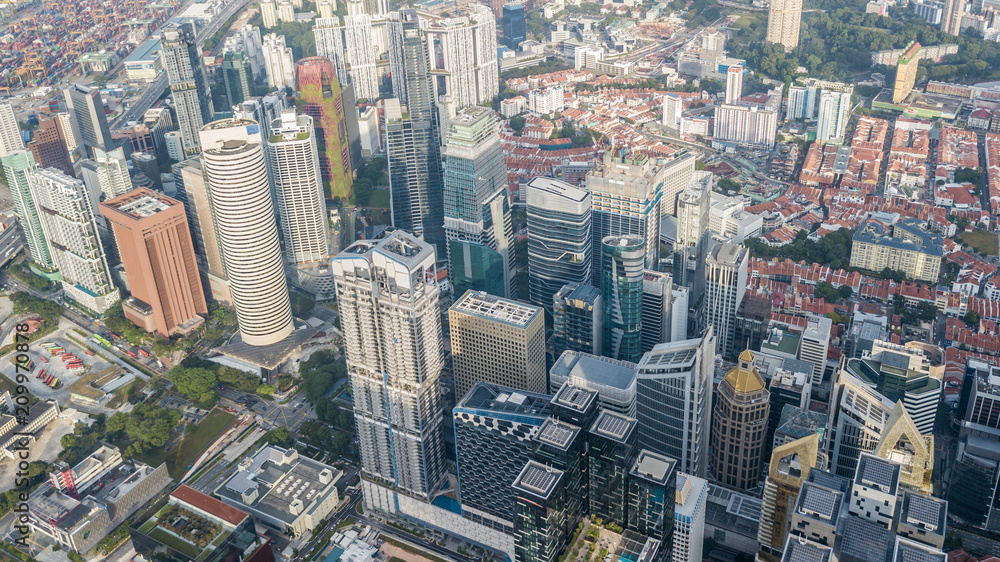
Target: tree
{"x": 195, "y": 383}
{"x": 265, "y": 390}
{"x": 362, "y": 191}
{"x": 517, "y": 123}
{"x": 728, "y": 185}
{"x": 826, "y": 291}
{"x": 971, "y": 318}
{"x": 846, "y": 292}
{"x": 969, "y": 175}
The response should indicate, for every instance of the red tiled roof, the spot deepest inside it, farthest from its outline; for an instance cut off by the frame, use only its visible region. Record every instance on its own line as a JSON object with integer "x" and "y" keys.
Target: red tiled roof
{"x": 209, "y": 504}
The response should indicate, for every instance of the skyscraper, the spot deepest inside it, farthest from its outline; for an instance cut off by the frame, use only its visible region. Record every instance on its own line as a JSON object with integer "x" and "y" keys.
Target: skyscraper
{"x": 739, "y": 424}
{"x": 10, "y": 131}
{"x": 657, "y": 295}
{"x": 494, "y": 427}
{"x": 906, "y": 72}
{"x": 577, "y": 319}
{"x": 247, "y": 40}
{"x": 498, "y": 341}
{"x": 834, "y": 114}
{"x": 610, "y": 452}
{"x": 182, "y": 59}
{"x": 673, "y": 111}
{"x": 49, "y": 147}
{"x": 559, "y": 238}
{"x": 783, "y": 20}
{"x": 294, "y": 164}
{"x": 725, "y": 286}
{"x": 278, "y": 62}
{"x": 68, "y": 221}
{"x": 689, "y": 518}
{"x": 240, "y": 193}
{"x": 155, "y": 247}
{"x": 541, "y": 511}
{"x": 352, "y": 51}
{"x": 951, "y": 20}
{"x": 237, "y": 76}
{"x": 476, "y": 205}
{"x": 674, "y": 400}
{"x": 192, "y": 191}
{"x": 463, "y": 61}
{"x": 514, "y": 25}
{"x": 621, "y": 294}
{"x": 16, "y": 166}
{"x": 269, "y": 13}
{"x": 87, "y": 109}
{"x": 319, "y": 92}
{"x": 652, "y": 496}
{"x": 398, "y": 371}
{"x": 789, "y": 468}
{"x": 107, "y": 173}
{"x": 693, "y": 207}
{"x": 734, "y": 83}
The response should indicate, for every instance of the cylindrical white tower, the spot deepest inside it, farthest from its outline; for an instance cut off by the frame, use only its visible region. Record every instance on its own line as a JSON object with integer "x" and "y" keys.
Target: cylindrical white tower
{"x": 244, "y": 216}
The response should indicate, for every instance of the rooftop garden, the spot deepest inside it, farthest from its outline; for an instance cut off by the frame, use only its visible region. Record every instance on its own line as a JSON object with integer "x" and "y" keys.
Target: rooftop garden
{"x": 184, "y": 531}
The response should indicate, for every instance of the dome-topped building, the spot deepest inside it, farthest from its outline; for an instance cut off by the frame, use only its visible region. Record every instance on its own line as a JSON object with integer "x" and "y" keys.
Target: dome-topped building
{"x": 739, "y": 425}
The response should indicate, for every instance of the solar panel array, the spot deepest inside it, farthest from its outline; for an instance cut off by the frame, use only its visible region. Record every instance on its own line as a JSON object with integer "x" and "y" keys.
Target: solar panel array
{"x": 906, "y": 552}
{"x": 574, "y": 396}
{"x": 538, "y": 479}
{"x": 865, "y": 540}
{"x": 820, "y": 501}
{"x": 614, "y": 425}
{"x": 556, "y": 433}
{"x": 923, "y": 510}
{"x": 879, "y": 473}
{"x": 804, "y": 552}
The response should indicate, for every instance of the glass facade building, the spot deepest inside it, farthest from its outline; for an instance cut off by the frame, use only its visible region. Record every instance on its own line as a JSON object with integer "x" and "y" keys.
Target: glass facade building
{"x": 652, "y": 488}
{"x": 559, "y": 238}
{"x": 577, "y": 317}
{"x": 494, "y": 427}
{"x": 611, "y": 444}
{"x": 475, "y": 267}
{"x": 514, "y": 25}
{"x": 540, "y": 513}
{"x": 621, "y": 291}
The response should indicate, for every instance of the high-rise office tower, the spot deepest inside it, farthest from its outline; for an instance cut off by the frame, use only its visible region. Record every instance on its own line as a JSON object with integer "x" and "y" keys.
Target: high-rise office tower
{"x": 621, "y": 293}
{"x": 413, "y": 139}
{"x": 540, "y": 512}
{"x": 834, "y": 114}
{"x": 783, "y": 20}
{"x": 874, "y": 490}
{"x": 87, "y": 109}
{"x": 10, "y": 131}
{"x": 494, "y": 426}
{"x": 240, "y": 194}
{"x": 689, "y": 518}
{"x": 237, "y": 76}
{"x": 734, "y": 83}
{"x": 352, "y": 51}
{"x": 475, "y": 267}
{"x": 657, "y": 294}
{"x": 145, "y": 163}
{"x": 626, "y": 192}
{"x": 577, "y": 320}
{"x": 951, "y": 20}
{"x": 398, "y": 370}
{"x": 514, "y": 25}
{"x": 739, "y": 424}
{"x": 155, "y": 247}
{"x": 192, "y": 191}
{"x": 690, "y": 246}
{"x": 610, "y": 451}
{"x": 186, "y": 72}
{"x": 16, "y": 167}
{"x": 278, "y": 62}
{"x": 902, "y": 442}
{"x": 612, "y": 380}
{"x": 858, "y": 415}
{"x": 463, "y": 61}
{"x": 559, "y": 238}
{"x": 906, "y": 72}
{"x": 674, "y": 400}
{"x": 561, "y": 443}
{"x": 67, "y": 128}
{"x": 789, "y": 467}
{"x": 68, "y": 221}
{"x": 814, "y": 345}
{"x": 298, "y": 192}
{"x": 498, "y": 341}
{"x": 725, "y": 286}
{"x": 48, "y": 147}
{"x": 476, "y": 205}
{"x": 319, "y": 92}
{"x": 652, "y": 496}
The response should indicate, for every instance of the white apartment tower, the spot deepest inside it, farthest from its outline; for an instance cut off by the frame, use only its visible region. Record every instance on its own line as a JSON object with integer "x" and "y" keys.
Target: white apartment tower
{"x": 689, "y": 518}
{"x": 68, "y": 220}
{"x": 293, "y": 160}
{"x": 278, "y": 61}
{"x": 725, "y": 287}
{"x": 673, "y": 109}
{"x": 783, "y": 20}
{"x": 834, "y": 114}
{"x": 391, "y": 321}
{"x": 247, "y": 40}
{"x": 233, "y": 159}
{"x": 734, "y": 83}
{"x": 352, "y": 51}
{"x": 674, "y": 400}
{"x": 463, "y": 60}
{"x": 111, "y": 169}
{"x": 10, "y": 132}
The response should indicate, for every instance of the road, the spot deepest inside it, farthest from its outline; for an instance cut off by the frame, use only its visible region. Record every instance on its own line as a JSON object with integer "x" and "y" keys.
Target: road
{"x": 155, "y": 88}
{"x": 10, "y": 244}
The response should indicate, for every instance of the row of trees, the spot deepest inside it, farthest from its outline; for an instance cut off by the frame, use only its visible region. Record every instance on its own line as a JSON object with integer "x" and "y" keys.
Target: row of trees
{"x": 833, "y": 250}
{"x": 196, "y": 379}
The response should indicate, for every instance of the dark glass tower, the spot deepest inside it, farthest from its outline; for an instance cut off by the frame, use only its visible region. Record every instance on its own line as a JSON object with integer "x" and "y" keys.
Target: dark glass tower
{"x": 651, "y": 490}
{"x": 576, "y": 319}
{"x": 514, "y": 25}
{"x": 621, "y": 290}
{"x": 236, "y": 74}
{"x": 611, "y": 446}
{"x": 540, "y": 513}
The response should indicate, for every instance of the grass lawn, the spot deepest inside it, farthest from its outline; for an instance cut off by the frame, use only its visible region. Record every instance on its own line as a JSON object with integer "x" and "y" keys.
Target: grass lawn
{"x": 192, "y": 443}
{"x": 982, "y": 241}
{"x": 176, "y": 543}
{"x": 380, "y": 199}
